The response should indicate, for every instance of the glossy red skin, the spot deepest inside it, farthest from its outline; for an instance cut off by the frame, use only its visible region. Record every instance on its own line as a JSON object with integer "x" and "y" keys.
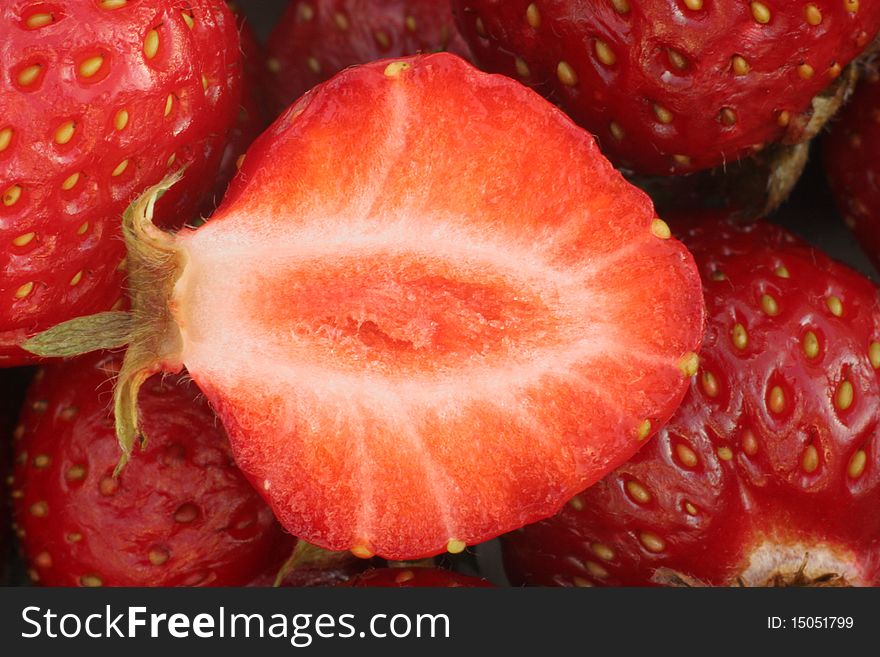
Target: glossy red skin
{"x": 765, "y": 494}
{"x": 642, "y": 73}
{"x": 186, "y": 466}
{"x": 404, "y": 578}
{"x": 554, "y": 448}
{"x": 313, "y": 29}
{"x": 851, "y": 151}
{"x": 76, "y": 230}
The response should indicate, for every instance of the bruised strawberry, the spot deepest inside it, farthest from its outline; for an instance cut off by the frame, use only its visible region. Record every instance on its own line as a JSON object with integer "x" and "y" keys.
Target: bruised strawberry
{"x": 767, "y": 473}
{"x": 316, "y": 39}
{"x": 180, "y": 514}
{"x": 428, "y": 311}
{"x": 851, "y": 151}
{"x": 403, "y": 578}
{"x": 99, "y": 100}
{"x": 675, "y": 87}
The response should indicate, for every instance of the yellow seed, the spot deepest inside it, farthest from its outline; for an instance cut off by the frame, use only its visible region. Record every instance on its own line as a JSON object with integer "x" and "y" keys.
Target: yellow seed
{"x": 240, "y": 161}
{"x": 533, "y": 16}
{"x": 170, "y": 159}
{"x": 663, "y": 115}
{"x": 690, "y": 508}
{"x": 689, "y": 364}
{"x": 805, "y": 71}
{"x": 480, "y": 26}
{"x": 660, "y": 228}
{"x": 812, "y": 14}
{"x": 5, "y": 138}
{"x": 777, "y": 399}
{"x": 602, "y": 551}
{"x": 90, "y": 67}
{"x": 644, "y": 430}
{"x": 64, "y": 133}
{"x": 70, "y": 182}
{"x": 581, "y": 583}
{"x": 681, "y": 160}
{"x": 749, "y": 443}
{"x": 604, "y": 53}
{"x": 761, "y": 12}
{"x": 835, "y": 305}
{"x": 188, "y": 19}
{"x": 874, "y": 355}
{"x": 616, "y": 131}
{"x": 120, "y": 168}
{"x": 169, "y": 103}
{"x": 77, "y": 277}
{"x": 83, "y": 228}
{"x": 522, "y": 69}
{"x": 782, "y": 272}
{"x": 342, "y": 21}
{"x": 710, "y": 384}
{"x": 76, "y": 473}
{"x": 39, "y": 509}
{"x": 857, "y": 464}
{"x": 596, "y": 570}
{"x": 677, "y": 59}
{"x": 91, "y": 581}
{"x": 727, "y": 116}
{"x": 151, "y": 44}
{"x": 455, "y": 546}
{"x": 113, "y": 4}
{"x": 810, "y": 460}
{"x": 739, "y": 336}
{"x": 362, "y": 552}
{"x": 306, "y": 12}
{"x": 725, "y": 453}
{"x": 686, "y": 455}
{"x": 24, "y": 239}
{"x": 652, "y": 542}
{"x": 769, "y": 305}
{"x": 40, "y": 19}
{"x": 382, "y": 39}
{"x": 41, "y": 461}
{"x": 845, "y": 395}
{"x": 638, "y": 492}
{"x": 28, "y": 75}
{"x": 394, "y": 69}
{"x": 783, "y": 119}
{"x": 11, "y": 195}
{"x": 121, "y": 119}
{"x": 158, "y": 556}
{"x": 74, "y": 537}
{"x": 273, "y": 64}
{"x": 576, "y": 503}
{"x": 694, "y": 5}
{"x": 851, "y": 5}
{"x": 566, "y": 74}
{"x": 740, "y": 65}
{"x": 834, "y": 71}
{"x": 810, "y": 344}
{"x": 314, "y": 65}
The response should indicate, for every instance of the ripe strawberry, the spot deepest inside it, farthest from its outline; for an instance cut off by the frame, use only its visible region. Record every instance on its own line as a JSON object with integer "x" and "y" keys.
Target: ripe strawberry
{"x": 767, "y": 473}
{"x": 675, "y": 87}
{"x": 180, "y": 514}
{"x": 428, "y": 310}
{"x": 404, "y": 578}
{"x": 316, "y": 39}
{"x": 99, "y": 100}
{"x": 850, "y": 151}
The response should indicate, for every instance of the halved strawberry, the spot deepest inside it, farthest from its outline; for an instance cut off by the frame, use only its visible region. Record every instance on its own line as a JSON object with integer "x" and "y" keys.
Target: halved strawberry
{"x": 767, "y": 473}
{"x": 99, "y": 100}
{"x": 851, "y": 152}
{"x": 427, "y": 312}
{"x": 403, "y": 578}
{"x": 677, "y": 86}
{"x": 181, "y": 514}
{"x": 315, "y": 39}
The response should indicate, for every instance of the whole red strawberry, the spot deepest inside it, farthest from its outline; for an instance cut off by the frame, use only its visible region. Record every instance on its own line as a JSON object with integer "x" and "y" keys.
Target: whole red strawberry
{"x": 851, "y": 152}
{"x": 767, "y": 473}
{"x": 403, "y": 578}
{"x": 99, "y": 100}
{"x": 674, "y": 87}
{"x": 316, "y": 39}
{"x": 409, "y": 347}
{"x": 179, "y": 514}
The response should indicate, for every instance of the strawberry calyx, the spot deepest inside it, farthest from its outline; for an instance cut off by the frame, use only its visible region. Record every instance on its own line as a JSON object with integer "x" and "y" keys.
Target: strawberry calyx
{"x": 305, "y": 555}
{"x": 149, "y": 329}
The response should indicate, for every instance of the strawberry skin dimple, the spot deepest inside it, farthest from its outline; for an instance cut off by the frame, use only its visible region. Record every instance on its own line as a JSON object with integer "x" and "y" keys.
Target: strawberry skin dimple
{"x": 428, "y": 310}
{"x": 97, "y": 102}
{"x": 767, "y": 472}
{"x": 676, "y": 86}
